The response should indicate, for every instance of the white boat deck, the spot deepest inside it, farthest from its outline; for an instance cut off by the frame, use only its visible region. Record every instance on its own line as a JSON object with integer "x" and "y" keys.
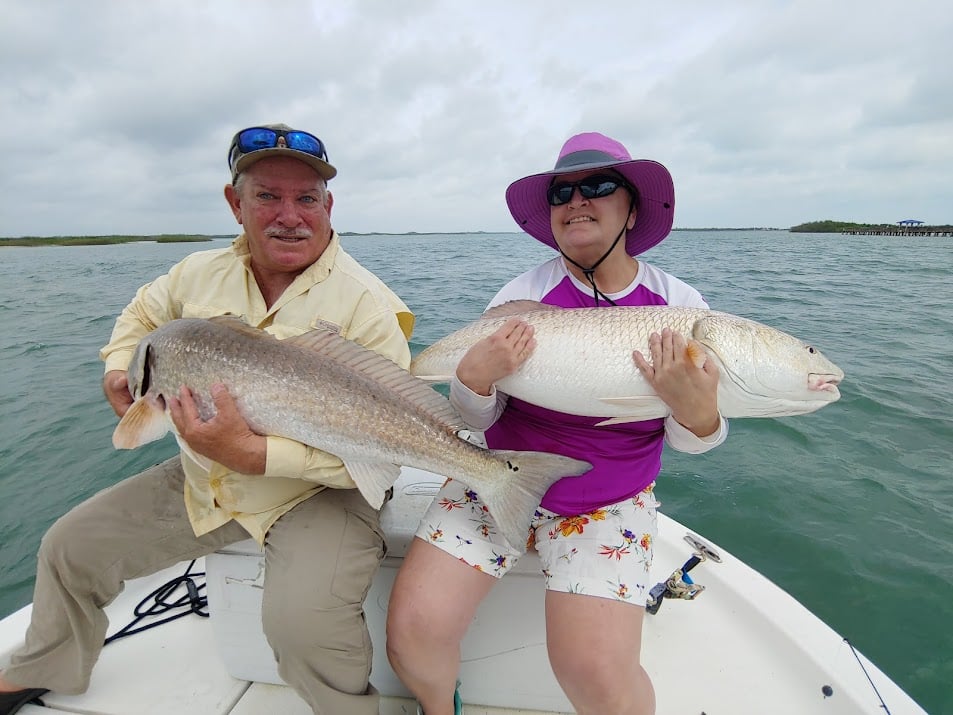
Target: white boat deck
{"x": 743, "y": 646}
{"x": 175, "y": 668}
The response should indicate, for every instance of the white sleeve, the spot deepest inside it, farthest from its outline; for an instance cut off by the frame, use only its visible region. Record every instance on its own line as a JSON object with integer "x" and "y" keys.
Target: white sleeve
{"x": 533, "y": 284}
{"x": 478, "y": 411}
{"x": 682, "y": 439}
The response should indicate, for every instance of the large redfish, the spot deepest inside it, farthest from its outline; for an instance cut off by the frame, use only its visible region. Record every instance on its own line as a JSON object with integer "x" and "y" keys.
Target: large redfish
{"x": 582, "y": 363}
{"x": 335, "y": 395}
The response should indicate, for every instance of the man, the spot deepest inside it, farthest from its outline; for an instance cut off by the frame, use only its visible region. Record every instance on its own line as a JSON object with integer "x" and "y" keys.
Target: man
{"x": 286, "y": 273}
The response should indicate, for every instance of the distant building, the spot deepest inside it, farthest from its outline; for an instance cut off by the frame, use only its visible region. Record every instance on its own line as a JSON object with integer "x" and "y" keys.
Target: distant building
{"x": 909, "y": 222}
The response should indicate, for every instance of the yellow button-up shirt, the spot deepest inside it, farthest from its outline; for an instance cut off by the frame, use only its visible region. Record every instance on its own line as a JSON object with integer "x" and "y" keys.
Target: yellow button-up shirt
{"x": 336, "y": 292}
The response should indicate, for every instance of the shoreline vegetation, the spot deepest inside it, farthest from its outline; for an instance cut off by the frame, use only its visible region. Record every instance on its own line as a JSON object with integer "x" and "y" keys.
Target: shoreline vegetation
{"x": 189, "y": 238}
{"x": 870, "y": 228}
{"x": 103, "y": 240}
{"x": 842, "y": 227}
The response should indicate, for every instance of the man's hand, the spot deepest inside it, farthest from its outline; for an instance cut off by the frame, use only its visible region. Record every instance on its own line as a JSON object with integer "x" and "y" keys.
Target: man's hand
{"x": 226, "y": 438}
{"x": 691, "y": 392}
{"x": 496, "y": 356}
{"x": 116, "y": 389}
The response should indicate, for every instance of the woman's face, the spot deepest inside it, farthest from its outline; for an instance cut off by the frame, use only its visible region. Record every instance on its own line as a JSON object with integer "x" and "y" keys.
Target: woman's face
{"x": 585, "y": 228}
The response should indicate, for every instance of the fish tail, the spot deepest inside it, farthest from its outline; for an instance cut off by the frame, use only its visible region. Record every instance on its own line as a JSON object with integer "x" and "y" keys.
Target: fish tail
{"x": 514, "y": 496}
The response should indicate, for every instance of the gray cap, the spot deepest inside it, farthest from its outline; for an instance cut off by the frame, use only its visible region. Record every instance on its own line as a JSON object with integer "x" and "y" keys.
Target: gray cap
{"x": 277, "y": 140}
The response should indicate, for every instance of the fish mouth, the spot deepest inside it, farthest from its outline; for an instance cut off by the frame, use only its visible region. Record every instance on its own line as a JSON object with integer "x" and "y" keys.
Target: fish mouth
{"x": 824, "y": 382}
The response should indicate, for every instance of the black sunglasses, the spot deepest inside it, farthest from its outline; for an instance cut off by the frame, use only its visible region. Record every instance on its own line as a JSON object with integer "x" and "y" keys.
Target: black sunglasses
{"x": 258, "y": 138}
{"x": 591, "y": 187}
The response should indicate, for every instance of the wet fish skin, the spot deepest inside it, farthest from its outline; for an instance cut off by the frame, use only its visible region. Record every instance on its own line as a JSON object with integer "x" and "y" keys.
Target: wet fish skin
{"x": 337, "y": 396}
{"x": 582, "y": 363}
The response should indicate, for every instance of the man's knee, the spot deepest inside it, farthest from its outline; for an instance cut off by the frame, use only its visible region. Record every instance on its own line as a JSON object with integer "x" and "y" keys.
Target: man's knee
{"x": 316, "y": 602}
{"x": 331, "y": 644}
{"x": 307, "y": 620}
{"x": 64, "y": 544}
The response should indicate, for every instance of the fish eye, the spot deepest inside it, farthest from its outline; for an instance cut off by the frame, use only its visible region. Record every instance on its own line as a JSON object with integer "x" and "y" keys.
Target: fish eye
{"x": 810, "y": 349}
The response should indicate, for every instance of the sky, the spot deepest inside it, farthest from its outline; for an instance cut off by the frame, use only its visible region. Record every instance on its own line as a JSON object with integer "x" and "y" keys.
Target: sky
{"x": 117, "y": 115}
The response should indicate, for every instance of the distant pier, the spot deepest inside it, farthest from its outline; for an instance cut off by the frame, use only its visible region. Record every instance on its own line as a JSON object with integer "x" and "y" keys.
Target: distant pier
{"x": 907, "y": 227}
{"x": 897, "y": 232}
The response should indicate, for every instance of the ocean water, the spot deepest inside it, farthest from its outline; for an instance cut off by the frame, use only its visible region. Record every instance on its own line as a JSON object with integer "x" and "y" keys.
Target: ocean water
{"x": 849, "y": 509}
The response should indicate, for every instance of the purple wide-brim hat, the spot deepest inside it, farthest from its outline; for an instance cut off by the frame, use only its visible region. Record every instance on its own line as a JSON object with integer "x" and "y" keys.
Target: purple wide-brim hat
{"x": 655, "y": 211}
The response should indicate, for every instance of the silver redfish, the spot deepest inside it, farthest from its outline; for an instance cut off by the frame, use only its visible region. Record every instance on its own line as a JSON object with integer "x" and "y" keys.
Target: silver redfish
{"x": 337, "y": 396}
{"x": 583, "y": 365}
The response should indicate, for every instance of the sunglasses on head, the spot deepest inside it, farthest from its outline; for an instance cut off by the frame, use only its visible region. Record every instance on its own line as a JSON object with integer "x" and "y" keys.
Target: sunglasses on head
{"x": 591, "y": 187}
{"x": 258, "y": 138}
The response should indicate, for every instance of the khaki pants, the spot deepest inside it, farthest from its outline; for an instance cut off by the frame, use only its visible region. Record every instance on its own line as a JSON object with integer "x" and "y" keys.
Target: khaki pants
{"x": 320, "y": 559}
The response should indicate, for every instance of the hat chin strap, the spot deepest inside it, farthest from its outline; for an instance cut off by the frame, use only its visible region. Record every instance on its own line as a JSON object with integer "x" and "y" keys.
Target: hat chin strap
{"x": 589, "y": 273}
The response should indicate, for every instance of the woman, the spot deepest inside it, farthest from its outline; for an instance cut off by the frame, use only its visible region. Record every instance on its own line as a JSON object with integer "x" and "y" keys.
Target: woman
{"x": 600, "y": 209}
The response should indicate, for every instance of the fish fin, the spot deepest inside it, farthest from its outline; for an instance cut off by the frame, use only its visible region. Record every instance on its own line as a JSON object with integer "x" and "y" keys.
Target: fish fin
{"x": 144, "y": 422}
{"x": 373, "y": 479}
{"x": 642, "y": 407}
{"x": 379, "y": 369}
{"x": 632, "y": 400}
{"x": 513, "y": 499}
{"x": 314, "y": 339}
{"x": 696, "y": 353}
{"x": 435, "y": 379}
{"x": 622, "y": 420}
{"x": 517, "y": 307}
{"x": 233, "y": 322}
{"x": 200, "y": 459}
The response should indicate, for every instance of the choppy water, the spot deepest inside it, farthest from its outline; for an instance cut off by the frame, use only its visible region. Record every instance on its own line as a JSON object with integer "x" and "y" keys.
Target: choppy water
{"x": 849, "y": 509}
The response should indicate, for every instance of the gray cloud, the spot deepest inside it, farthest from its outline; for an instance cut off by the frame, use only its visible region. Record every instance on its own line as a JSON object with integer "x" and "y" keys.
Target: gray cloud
{"x": 117, "y": 115}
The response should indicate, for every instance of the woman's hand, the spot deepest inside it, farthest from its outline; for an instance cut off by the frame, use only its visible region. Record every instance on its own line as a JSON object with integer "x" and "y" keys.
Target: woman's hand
{"x": 691, "y": 392}
{"x": 496, "y": 356}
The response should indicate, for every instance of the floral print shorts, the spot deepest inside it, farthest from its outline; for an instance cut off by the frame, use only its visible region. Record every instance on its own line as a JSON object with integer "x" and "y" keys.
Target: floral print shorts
{"x": 604, "y": 553}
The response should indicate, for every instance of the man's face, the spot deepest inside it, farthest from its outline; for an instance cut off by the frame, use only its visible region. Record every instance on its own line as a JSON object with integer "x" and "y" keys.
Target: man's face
{"x": 285, "y": 209}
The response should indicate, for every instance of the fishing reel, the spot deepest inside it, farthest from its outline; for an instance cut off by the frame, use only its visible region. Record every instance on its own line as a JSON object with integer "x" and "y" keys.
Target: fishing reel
{"x": 680, "y": 584}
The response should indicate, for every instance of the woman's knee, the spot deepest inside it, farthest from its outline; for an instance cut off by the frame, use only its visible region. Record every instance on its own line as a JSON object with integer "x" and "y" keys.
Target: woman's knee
{"x": 408, "y": 628}
{"x": 432, "y": 604}
{"x": 600, "y": 682}
{"x": 584, "y": 666}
